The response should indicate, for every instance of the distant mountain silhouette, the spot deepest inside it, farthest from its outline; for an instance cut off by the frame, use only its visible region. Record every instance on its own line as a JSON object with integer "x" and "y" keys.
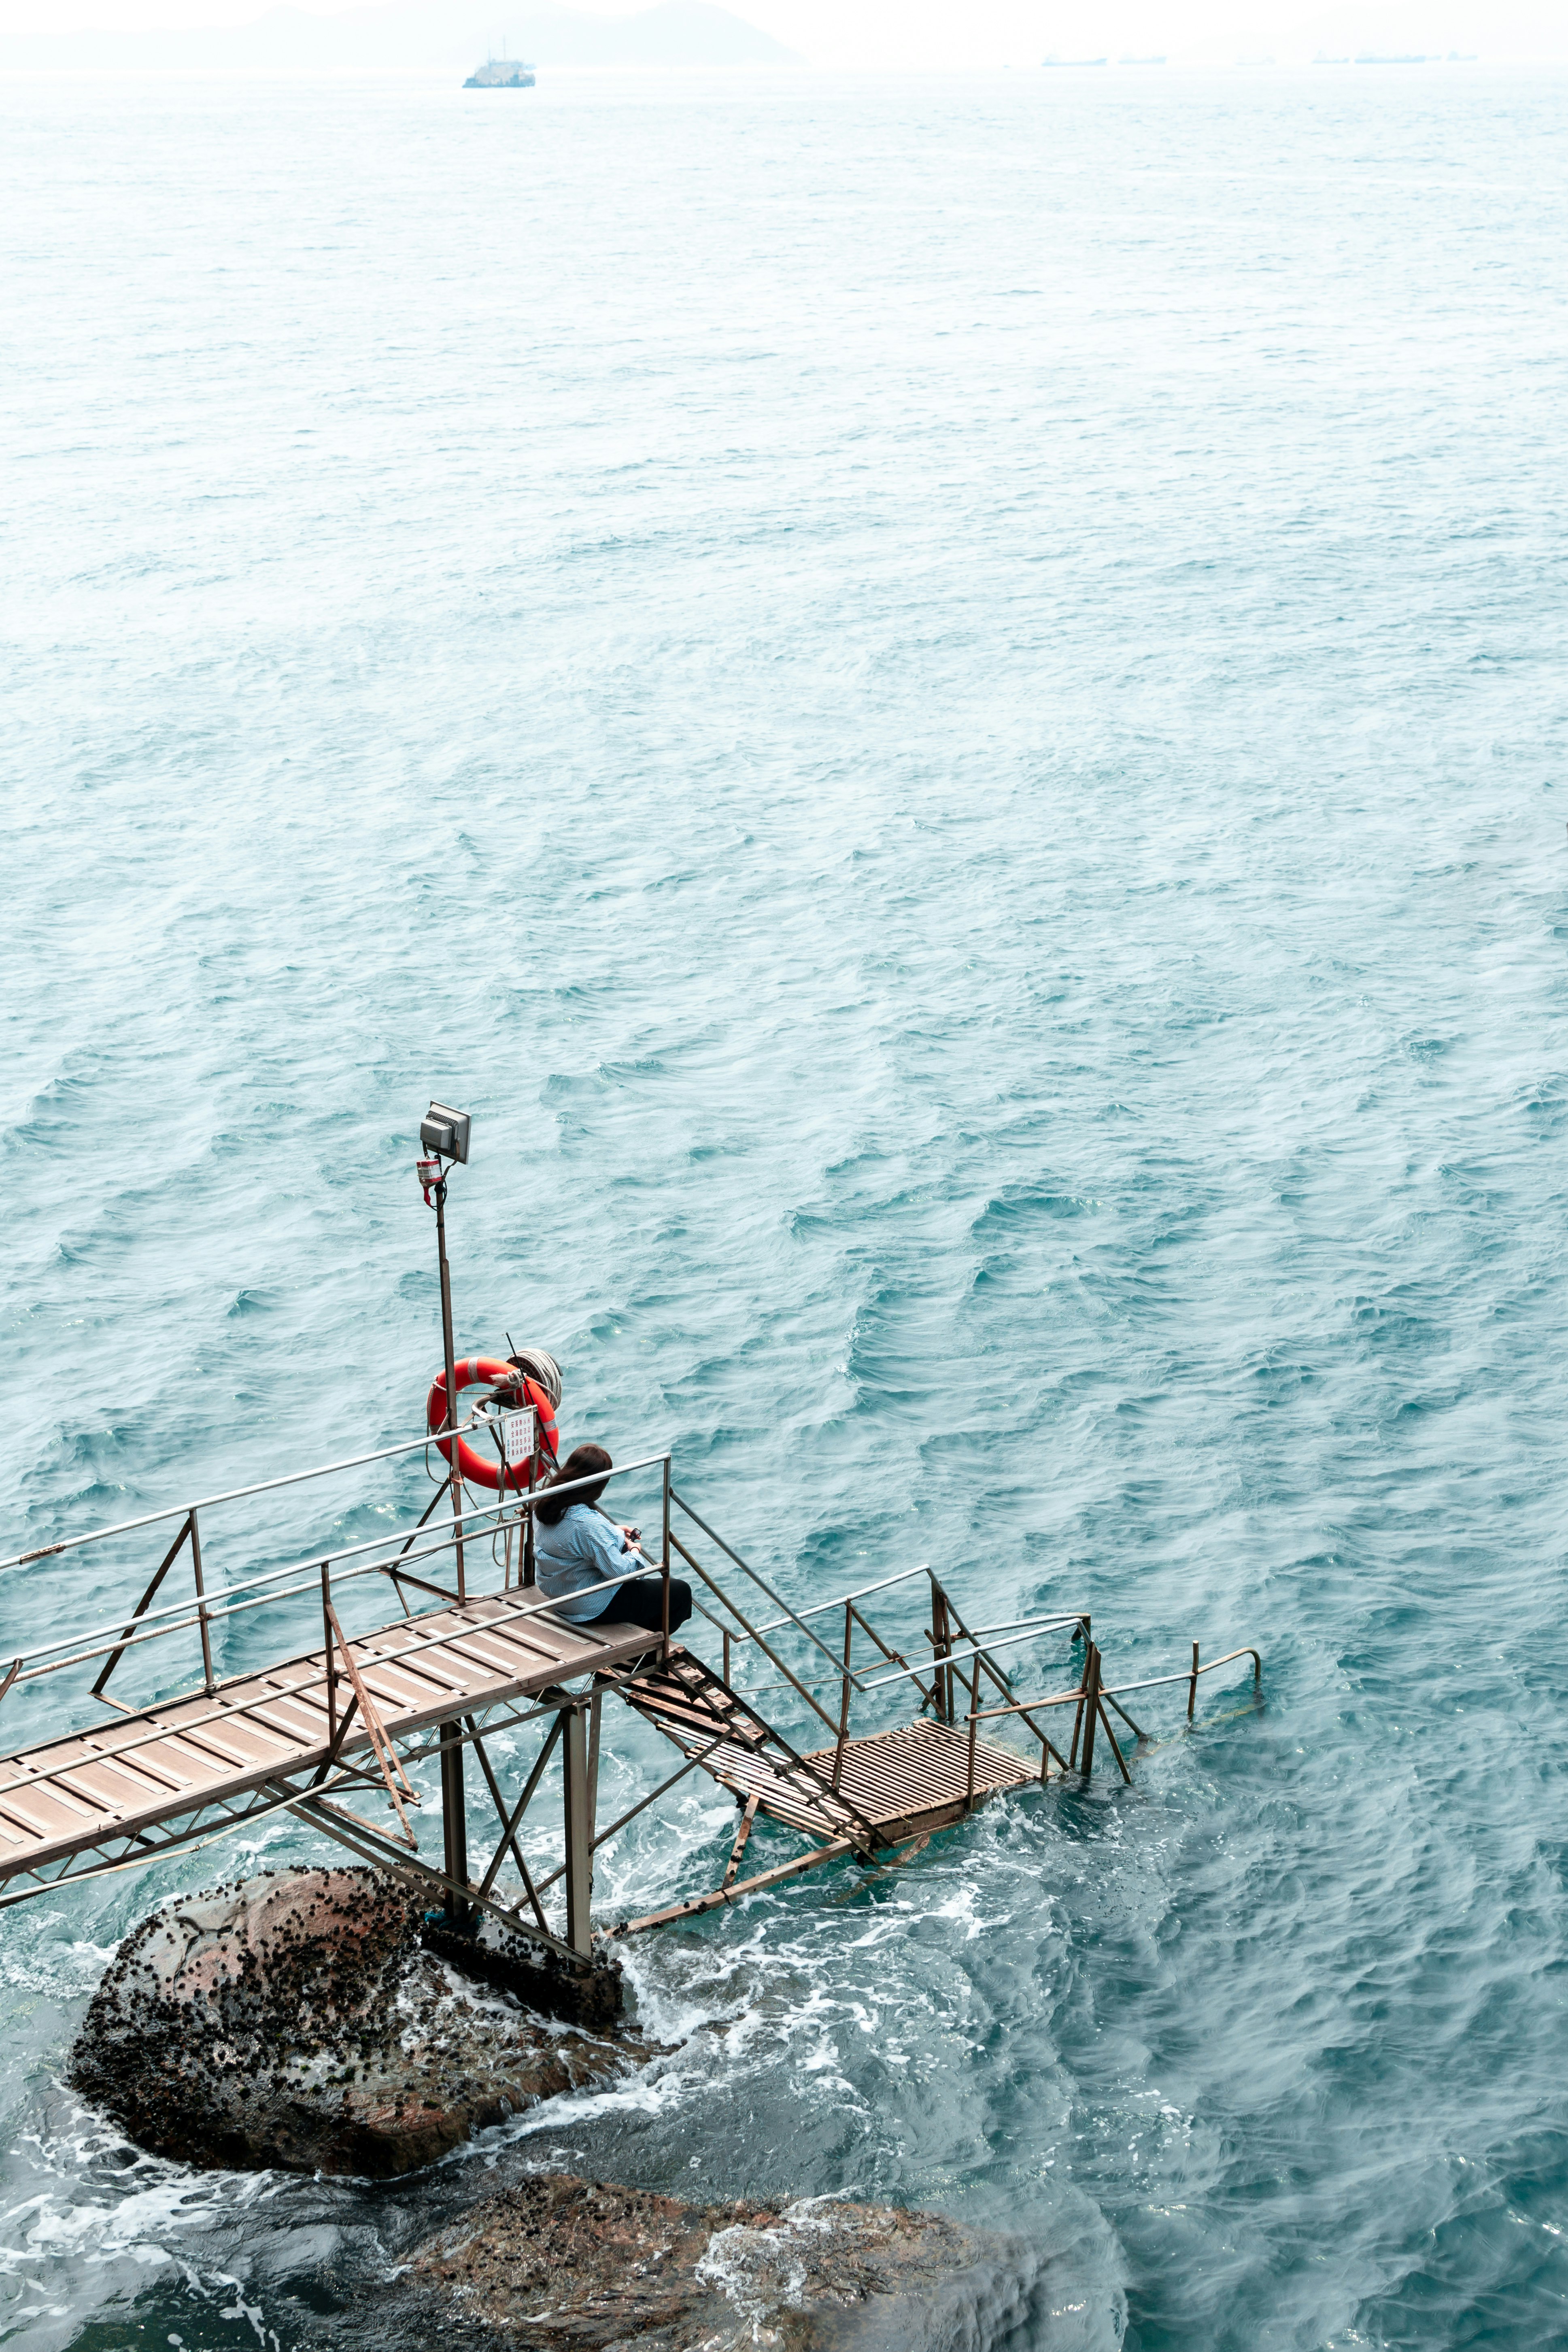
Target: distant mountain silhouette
{"x": 1496, "y": 28}
{"x": 424, "y": 34}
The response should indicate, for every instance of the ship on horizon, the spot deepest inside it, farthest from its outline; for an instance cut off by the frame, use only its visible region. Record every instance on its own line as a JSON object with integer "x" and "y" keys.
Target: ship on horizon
{"x": 501, "y": 73}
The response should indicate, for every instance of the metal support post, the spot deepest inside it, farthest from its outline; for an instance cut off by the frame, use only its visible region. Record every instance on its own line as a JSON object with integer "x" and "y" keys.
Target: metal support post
{"x": 844, "y": 1700}
{"x": 940, "y": 1645}
{"x": 454, "y": 1804}
{"x": 596, "y": 1709}
{"x": 454, "y": 1821}
{"x": 455, "y": 1474}
{"x": 1077, "y": 1711}
{"x": 529, "y": 1577}
{"x": 1193, "y": 1685}
{"x": 1090, "y": 1707}
{"x": 664, "y": 1558}
{"x": 201, "y": 1603}
{"x": 579, "y": 1796}
{"x": 331, "y": 1655}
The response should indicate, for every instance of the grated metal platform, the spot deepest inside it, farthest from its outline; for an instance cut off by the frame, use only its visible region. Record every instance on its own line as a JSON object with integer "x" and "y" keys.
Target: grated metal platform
{"x": 918, "y": 1776}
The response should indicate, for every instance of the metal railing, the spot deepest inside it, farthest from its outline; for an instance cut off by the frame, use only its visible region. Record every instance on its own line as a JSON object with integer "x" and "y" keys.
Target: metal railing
{"x": 950, "y": 1665}
{"x": 230, "y": 1494}
{"x": 954, "y": 1645}
{"x": 1091, "y": 1696}
{"x": 947, "y": 1680}
{"x": 393, "y": 1554}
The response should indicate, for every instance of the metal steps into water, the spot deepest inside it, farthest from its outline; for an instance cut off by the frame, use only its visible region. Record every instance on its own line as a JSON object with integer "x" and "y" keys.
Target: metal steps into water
{"x": 696, "y": 1710}
{"x": 875, "y": 1792}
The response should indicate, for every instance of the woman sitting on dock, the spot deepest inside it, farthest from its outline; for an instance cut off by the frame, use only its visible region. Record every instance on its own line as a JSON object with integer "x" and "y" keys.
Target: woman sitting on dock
{"x": 577, "y": 1546}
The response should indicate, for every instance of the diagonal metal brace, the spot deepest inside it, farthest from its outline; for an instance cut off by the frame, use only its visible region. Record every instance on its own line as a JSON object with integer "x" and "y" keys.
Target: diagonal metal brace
{"x": 739, "y": 1848}
{"x": 510, "y": 1824}
{"x": 146, "y": 1602}
{"x": 392, "y": 1772}
{"x": 509, "y": 1830}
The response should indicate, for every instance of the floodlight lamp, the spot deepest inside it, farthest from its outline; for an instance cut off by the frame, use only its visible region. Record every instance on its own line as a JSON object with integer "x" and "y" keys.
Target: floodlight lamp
{"x": 445, "y": 1130}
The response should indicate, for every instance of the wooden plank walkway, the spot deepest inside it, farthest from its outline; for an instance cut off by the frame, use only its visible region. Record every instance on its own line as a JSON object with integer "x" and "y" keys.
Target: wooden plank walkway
{"x": 133, "y": 1771}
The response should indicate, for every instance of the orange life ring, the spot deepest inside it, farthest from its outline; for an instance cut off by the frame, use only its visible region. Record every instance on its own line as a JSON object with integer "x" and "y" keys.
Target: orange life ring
{"x": 494, "y": 1373}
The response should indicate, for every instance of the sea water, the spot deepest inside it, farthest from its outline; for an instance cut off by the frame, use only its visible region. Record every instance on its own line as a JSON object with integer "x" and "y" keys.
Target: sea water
{"x": 940, "y": 701}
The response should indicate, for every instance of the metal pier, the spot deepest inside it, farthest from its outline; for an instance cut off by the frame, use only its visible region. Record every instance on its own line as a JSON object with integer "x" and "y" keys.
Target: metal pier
{"x": 335, "y": 1725}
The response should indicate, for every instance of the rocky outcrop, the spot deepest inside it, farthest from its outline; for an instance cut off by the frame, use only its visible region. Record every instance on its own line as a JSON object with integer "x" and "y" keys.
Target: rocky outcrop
{"x": 559, "y": 2264}
{"x": 297, "y": 2020}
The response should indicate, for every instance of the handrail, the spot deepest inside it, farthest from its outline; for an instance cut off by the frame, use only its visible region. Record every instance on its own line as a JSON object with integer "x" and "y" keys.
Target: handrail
{"x": 135, "y": 1640}
{"x": 1054, "y": 1699}
{"x": 413, "y": 1649}
{"x": 1041, "y": 1624}
{"x": 958, "y": 1658}
{"x": 233, "y": 1495}
{"x": 185, "y": 1613}
{"x": 820, "y": 1608}
{"x": 443, "y": 1530}
{"x": 370, "y": 1568}
{"x": 1188, "y": 1673}
{"x": 692, "y": 1563}
{"x": 1123, "y": 1690}
{"x": 763, "y": 1586}
{"x": 955, "y": 1657}
{"x": 945, "y": 1617}
{"x": 401, "y": 1549}
{"x": 251, "y": 1584}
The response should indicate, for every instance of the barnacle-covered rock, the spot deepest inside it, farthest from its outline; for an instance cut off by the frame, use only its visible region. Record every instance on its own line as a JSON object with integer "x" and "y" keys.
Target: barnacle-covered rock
{"x": 555, "y": 2264}
{"x": 295, "y": 2019}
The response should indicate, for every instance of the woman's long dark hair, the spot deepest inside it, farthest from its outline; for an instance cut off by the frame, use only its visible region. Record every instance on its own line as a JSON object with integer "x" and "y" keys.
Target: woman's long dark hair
{"x": 583, "y": 1462}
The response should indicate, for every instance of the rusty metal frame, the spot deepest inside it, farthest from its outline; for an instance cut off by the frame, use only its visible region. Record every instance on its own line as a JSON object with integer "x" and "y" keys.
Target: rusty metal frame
{"x": 961, "y": 1662}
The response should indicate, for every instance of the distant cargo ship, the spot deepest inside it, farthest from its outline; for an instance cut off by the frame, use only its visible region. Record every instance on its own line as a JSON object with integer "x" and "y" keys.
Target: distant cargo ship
{"x": 501, "y": 73}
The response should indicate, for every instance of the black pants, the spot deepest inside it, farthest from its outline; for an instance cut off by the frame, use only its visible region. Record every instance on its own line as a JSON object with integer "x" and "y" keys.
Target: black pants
{"x": 640, "y": 1601}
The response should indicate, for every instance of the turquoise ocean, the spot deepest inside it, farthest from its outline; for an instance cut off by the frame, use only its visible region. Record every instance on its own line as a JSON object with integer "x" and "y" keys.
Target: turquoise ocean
{"x": 940, "y": 700}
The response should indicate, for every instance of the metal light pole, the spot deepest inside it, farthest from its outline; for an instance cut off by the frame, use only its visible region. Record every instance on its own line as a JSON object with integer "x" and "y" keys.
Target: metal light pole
{"x": 454, "y": 1800}
{"x": 456, "y": 1476}
{"x": 445, "y": 1133}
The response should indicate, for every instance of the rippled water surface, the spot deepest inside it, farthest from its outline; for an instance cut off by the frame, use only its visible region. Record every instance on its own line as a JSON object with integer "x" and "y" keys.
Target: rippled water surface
{"x": 943, "y": 702}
